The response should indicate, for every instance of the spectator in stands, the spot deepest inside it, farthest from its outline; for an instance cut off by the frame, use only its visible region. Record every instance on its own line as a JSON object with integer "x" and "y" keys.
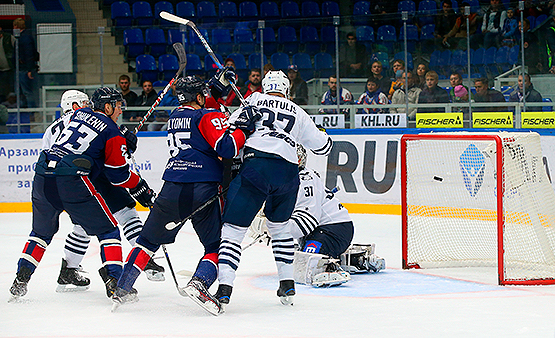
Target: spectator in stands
{"x": 532, "y": 95}
{"x": 444, "y": 22}
{"x": 399, "y": 97}
{"x": 130, "y": 96}
{"x": 455, "y": 79}
{"x": 11, "y": 101}
{"x": 383, "y": 82}
{"x": 7, "y": 42}
{"x": 254, "y": 85}
{"x": 352, "y": 56}
{"x": 510, "y": 29}
{"x": 485, "y": 94}
{"x": 433, "y": 93}
{"x": 421, "y": 72}
{"x": 456, "y": 38}
{"x": 268, "y": 67}
{"x": 373, "y": 95}
{"x": 28, "y": 58}
{"x": 298, "y": 92}
{"x": 534, "y": 52}
{"x": 330, "y": 97}
{"x": 396, "y": 82}
{"x": 229, "y": 62}
{"x": 492, "y": 24}
{"x": 146, "y": 99}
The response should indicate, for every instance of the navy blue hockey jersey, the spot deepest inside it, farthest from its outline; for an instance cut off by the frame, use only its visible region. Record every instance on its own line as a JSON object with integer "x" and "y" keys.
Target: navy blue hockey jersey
{"x": 196, "y": 140}
{"x": 95, "y": 135}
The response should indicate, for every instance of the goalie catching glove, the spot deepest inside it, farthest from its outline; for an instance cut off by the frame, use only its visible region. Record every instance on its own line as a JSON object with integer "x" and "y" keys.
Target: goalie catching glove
{"x": 245, "y": 120}
{"x": 143, "y": 194}
{"x": 221, "y": 81}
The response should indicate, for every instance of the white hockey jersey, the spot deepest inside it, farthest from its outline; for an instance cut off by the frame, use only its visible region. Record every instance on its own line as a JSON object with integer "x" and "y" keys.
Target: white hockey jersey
{"x": 53, "y": 131}
{"x": 282, "y": 125}
{"x": 315, "y": 206}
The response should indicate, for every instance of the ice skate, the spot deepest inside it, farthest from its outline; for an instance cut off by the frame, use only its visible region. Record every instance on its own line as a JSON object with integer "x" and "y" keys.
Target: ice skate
{"x": 197, "y": 291}
{"x": 286, "y": 292}
{"x": 70, "y": 280}
{"x": 154, "y": 272}
{"x": 223, "y": 295}
{"x": 121, "y": 297}
{"x": 19, "y": 286}
{"x": 332, "y": 276}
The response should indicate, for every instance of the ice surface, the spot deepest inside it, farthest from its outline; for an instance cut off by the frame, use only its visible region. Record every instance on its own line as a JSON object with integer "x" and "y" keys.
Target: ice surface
{"x": 464, "y": 302}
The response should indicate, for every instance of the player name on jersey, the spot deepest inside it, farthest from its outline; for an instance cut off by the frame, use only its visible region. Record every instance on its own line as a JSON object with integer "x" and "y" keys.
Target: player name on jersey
{"x": 91, "y": 120}
{"x": 277, "y": 104}
{"x": 381, "y": 121}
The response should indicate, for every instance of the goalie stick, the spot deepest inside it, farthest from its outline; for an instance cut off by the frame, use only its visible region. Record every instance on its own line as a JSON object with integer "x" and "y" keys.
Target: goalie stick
{"x": 183, "y": 21}
{"x": 182, "y": 57}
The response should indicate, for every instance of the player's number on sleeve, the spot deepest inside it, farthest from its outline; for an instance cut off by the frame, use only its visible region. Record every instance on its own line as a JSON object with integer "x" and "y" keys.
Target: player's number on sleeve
{"x": 270, "y": 118}
{"x": 76, "y": 137}
{"x": 220, "y": 123}
{"x": 176, "y": 142}
{"x": 308, "y": 191}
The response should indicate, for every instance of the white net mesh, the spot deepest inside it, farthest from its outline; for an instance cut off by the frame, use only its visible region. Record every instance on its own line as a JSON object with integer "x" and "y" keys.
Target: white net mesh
{"x": 451, "y": 205}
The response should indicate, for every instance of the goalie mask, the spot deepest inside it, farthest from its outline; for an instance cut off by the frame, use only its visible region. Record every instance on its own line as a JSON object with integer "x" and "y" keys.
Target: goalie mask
{"x": 187, "y": 89}
{"x": 301, "y": 155}
{"x": 275, "y": 81}
{"x": 69, "y": 97}
{"x": 104, "y": 95}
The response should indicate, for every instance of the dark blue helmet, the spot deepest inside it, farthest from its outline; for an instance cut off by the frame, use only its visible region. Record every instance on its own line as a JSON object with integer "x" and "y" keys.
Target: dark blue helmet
{"x": 104, "y": 95}
{"x": 188, "y": 87}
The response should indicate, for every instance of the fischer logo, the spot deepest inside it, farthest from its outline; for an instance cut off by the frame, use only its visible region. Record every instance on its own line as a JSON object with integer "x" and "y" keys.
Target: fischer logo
{"x": 546, "y": 121}
{"x": 493, "y": 121}
{"x": 440, "y": 122}
{"x": 472, "y": 163}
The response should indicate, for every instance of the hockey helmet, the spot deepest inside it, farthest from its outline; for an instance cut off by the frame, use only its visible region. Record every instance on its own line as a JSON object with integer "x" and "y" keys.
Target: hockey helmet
{"x": 187, "y": 88}
{"x": 69, "y": 97}
{"x": 301, "y": 155}
{"x": 104, "y": 95}
{"x": 275, "y": 81}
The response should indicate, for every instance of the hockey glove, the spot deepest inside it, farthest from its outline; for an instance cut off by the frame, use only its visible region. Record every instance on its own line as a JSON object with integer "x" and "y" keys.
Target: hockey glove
{"x": 130, "y": 139}
{"x": 143, "y": 194}
{"x": 221, "y": 80}
{"x": 246, "y": 119}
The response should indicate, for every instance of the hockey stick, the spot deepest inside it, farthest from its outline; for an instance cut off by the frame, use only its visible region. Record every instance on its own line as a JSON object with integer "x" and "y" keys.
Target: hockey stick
{"x": 180, "y": 290}
{"x": 177, "y": 19}
{"x": 171, "y": 226}
{"x": 182, "y": 57}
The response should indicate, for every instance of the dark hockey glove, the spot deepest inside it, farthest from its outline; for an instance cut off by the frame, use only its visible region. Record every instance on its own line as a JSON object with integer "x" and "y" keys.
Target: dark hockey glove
{"x": 247, "y": 119}
{"x": 130, "y": 139}
{"x": 221, "y": 80}
{"x": 143, "y": 194}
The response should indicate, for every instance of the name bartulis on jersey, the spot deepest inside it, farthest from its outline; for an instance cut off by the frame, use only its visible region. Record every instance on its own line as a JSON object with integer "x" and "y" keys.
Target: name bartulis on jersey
{"x": 91, "y": 120}
{"x": 179, "y": 123}
{"x": 277, "y": 104}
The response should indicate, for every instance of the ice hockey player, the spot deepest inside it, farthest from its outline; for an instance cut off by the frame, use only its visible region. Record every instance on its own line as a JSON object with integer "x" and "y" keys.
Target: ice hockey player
{"x": 269, "y": 175}
{"x": 197, "y": 137}
{"x": 324, "y": 231}
{"x": 121, "y": 204}
{"x": 91, "y": 143}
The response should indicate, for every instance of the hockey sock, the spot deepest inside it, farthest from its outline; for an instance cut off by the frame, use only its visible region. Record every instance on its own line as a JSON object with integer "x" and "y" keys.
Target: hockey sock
{"x": 207, "y": 269}
{"x": 131, "y": 223}
{"x": 77, "y": 243}
{"x": 230, "y": 252}
{"x": 136, "y": 262}
{"x": 283, "y": 247}
{"x": 111, "y": 253}
{"x": 33, "y": 251}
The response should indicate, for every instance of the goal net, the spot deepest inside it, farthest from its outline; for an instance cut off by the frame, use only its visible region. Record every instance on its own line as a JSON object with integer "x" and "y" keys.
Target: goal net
{"x": 478, "y": 199}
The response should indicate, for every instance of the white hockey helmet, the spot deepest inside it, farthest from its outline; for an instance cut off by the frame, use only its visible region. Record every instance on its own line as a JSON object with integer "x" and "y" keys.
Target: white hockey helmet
{"x": 69, "y": 97}
{"x": 275, "y": 81}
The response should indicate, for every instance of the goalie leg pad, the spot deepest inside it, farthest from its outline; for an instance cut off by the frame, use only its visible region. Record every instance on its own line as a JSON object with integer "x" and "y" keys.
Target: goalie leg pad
{"x": 318, "y": 270}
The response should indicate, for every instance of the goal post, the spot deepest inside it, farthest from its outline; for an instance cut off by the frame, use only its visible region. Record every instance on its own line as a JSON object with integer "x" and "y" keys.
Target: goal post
{"x": 478, "y": 199}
